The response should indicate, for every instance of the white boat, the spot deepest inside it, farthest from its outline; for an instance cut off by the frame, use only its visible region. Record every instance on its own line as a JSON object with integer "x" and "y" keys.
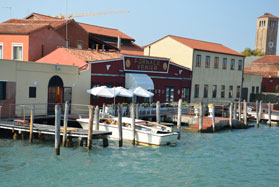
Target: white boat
{"x": 146, "y": 132}
{"x": 264, "y": 116}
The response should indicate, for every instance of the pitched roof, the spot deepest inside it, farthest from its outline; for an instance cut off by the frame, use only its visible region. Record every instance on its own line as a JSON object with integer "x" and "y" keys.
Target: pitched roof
{"x": 8, "y": 28}
{"x": 54, "y": 23}
{"x": 104, "y": 31}
{"x": 268, "y": 15}
{"x": 131, "y": 48}
{"x": 36, "y": 16}
{"x": 270, "y": 59}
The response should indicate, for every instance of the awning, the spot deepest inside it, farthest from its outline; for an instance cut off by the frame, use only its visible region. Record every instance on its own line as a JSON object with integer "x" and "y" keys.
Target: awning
{"x": 133, "y": 80}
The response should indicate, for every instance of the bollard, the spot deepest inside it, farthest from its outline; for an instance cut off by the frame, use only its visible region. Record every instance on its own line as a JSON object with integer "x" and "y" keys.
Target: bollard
{"x": 213, "y": 118}
{"x": 66, "y": 113}
{"x": 269, "y": 114}
{"x": 133, "y": 124}
{"x": 158, "y": 115}
{"x": 31, "y": 126}
{"x": 90, "y": 129}
{"x": 120, "y": 140}
{"x": 231, "y": 114}
{"x": 201, "y": 118}
{"x": 57, "y": 129}
{"x": 97, "y": 118}
{"x": 179, "y": 113}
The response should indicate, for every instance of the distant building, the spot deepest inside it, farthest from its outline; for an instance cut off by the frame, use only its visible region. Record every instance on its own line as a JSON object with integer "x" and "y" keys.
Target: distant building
{"x": 266, "y": 34}
{"x": 252, "y": 84}
{"x": 217, "y": 71}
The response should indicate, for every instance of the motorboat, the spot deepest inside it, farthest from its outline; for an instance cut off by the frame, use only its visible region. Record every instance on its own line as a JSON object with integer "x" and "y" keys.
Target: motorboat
{"x": 146, "y": 132}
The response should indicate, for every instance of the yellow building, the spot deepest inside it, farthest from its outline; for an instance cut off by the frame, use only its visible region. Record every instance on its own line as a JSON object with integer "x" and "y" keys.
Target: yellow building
{"x": 217, "y": 71}
{"x": 41, "y": 84}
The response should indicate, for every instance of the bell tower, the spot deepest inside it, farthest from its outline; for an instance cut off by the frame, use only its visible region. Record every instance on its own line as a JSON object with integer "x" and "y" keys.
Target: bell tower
{"x": 266, "y": 34}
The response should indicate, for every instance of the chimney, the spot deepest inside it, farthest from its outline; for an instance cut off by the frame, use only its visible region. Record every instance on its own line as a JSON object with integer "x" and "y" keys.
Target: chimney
{"x": 119, "y": 43}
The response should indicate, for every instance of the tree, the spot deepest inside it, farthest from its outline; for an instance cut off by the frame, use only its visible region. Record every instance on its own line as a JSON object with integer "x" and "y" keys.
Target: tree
{"x": 250, "y": 52}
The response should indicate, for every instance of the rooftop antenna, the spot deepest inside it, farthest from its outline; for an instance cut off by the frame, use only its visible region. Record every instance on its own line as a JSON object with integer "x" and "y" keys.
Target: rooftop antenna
{"x": 10, "y": 8}
{"x": 67, "y": 41}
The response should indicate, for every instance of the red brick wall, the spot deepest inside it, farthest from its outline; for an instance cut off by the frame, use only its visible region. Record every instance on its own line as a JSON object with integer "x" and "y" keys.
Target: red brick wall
{"x": 10, "y": 99}
{"x": 270, "y": 85}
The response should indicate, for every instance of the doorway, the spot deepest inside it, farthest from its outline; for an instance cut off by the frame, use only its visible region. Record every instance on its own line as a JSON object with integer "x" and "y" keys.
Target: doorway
{"x": 55, "y": 93}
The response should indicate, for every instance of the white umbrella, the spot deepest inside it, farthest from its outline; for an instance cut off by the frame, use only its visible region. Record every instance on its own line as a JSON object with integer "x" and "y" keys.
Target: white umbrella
{"x": 102, "y": 91}
{"x": 139, "y": 91}
{"x": 123, "y": 92}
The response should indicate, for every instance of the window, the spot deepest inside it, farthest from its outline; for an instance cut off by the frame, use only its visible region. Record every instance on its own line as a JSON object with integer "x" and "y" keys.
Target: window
{"x": 232, "y": 64}
{"x": 1, "y": 51}
{"x": 231, "y": 92}
{"x": 172, "y": 95}
{"x": 257, "y": 89}
{"x": 238, "y": 92}
{"x": 222, "y": 91}
{"x": 2, "y": 90}
{"x": 224, "y": 66}
{"x": 253, "y": 89}
{"x": 17, "y": 51}
{"x": 197, "y": 88}
{"x": 214, "y": 91}
{"x": 216, "y": 62}
{"x": 185, "y": 94}
{"x": 240, "y": 65}
{"x": 205, "y": 91}
{"x": 207, "y": 62}
{"x": 32, "y": 92}
{"x": 169, "y": 94}
{"x": 198, "y": 61}
{"x": 272, "y": 24}
{"x": 80, "y": 44}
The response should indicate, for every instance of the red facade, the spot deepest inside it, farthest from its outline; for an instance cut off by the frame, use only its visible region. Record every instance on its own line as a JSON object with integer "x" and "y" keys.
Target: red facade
{"x": 173, "y": 79}
{"x": 270, "y": 84}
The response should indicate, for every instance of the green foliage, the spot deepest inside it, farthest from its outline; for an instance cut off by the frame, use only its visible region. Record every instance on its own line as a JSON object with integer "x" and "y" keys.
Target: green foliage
{"x": 250, "y": 52}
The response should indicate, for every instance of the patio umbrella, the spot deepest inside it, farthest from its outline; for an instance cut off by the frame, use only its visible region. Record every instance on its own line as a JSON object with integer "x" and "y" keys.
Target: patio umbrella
{"x": 123, "y": 92}
{"x": 139, "y": 91}
{"x": 102, "y": 91}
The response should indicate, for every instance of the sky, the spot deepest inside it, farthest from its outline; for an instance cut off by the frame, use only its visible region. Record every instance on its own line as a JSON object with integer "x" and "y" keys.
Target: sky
{"x": 228, "y": 22}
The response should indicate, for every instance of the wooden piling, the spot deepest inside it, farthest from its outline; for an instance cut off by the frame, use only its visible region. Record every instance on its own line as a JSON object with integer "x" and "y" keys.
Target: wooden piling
{"x": 90, "y": 127}
{"x": 120, "y": 138}
{"x": 137, "y": 111}
{"x": 213, "y": 117}
{"x": 245, "y": 112}
{"x": 133, "y": 124}
{"x": 239, "y": 109}
{"x": 97, "y": 118}
{"x": 234, "y": 110}
{"x": 260, "y": 111}
{"x": 0, "y": 113}
{"x": 179, "y": 113}
{"x": 158, "y": 115}
{"x": 31, "y": 126}
{"x": 66, "y": 112}
{"x": 257, "y": 113}
{"x": 15, "y": 135}
{"x": 231, "y": 114}
{"x": 103, "y": 110}
{"x": 57, "y": 129}
{"x": 201, "y": 117}
{"x": 269, "y": 114}
{"x": 80, "y": 141}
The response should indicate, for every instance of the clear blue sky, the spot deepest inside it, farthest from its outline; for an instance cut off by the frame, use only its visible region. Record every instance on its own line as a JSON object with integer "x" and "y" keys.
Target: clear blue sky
{"x": 229, "y": 22}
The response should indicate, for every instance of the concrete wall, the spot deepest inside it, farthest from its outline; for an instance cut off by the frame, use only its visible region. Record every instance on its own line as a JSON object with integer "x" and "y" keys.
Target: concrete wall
{"x": 215, "y": 76}
{"x": 170, "y": 48}
{"x": 252, "y": 81}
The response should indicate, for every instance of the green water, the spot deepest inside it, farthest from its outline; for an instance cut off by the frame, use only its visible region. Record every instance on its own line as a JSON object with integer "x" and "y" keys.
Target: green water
{"x": 231, "y": 158}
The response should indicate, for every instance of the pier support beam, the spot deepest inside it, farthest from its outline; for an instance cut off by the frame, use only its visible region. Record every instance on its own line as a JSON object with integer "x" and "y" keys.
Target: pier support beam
{"x": 239, "y": 110}
{"x": 260, "y": 111}
{"x": 65, "y": 124}
{"x": 257, "y": 113}
{"x": 31, "y": 126}
{"x": 201, "y": 117}
{"x": 57, "y": 129}
{"x": 120, "y": 138}
{"x": 234, "y": 110}
{"x": 213, "y": 117}
{"x": 158, "y": 115}
{"x": 137, "y": 111}
{"x": 90, "y": 127}
{"x": 179, "y": 113}
{"x": 269, "y": 114}
{"x": 245, "y": 113}
{"x": 231, "y": 114}
{"x": 133, "y": 124}
{"x": 97, "y": 118}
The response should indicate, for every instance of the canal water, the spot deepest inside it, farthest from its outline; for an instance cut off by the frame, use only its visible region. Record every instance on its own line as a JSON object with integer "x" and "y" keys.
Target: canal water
{"x": 231, "y": 158}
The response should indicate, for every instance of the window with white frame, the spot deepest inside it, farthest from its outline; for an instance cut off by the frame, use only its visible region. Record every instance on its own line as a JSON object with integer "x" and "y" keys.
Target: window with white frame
{"x": 1, "y": 51}
{"x": 17, "y": 52}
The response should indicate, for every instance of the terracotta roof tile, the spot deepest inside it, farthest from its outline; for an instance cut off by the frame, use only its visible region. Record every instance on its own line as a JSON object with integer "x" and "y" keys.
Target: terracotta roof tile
{"x": 40, "y": 17}
{"x": 205, "y": 46}
{"x": 19, "y": 28}
{"x": 271, "y": 59}
{"x": 132, "y": 49}
{"x": 54, "y": 23}
{"x": 268, "y": 15}
{"x": 104, "y": 31}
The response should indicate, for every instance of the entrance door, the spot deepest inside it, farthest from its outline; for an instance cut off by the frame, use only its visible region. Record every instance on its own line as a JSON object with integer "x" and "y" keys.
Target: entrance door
{"x": 55, "y": 93}
{"x": 244, "y": 95}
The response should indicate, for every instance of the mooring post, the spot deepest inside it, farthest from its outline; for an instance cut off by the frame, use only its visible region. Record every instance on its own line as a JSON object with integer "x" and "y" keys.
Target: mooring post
{"x": 90, "y": 127}
{"x": 231, "y": 114}
{"x": 120, "y": 139}
{"x": 31, "y": 126}
{"x": 239, "y": 109}
{"x": 103, "y": 110}
{"x": 213, "y": 117}
{"x": 234, "y": 110}
{"x": 80, "y": 141}
{"x": 96, "y": 118}
{"x": 158, "y": 115}
{"x": 179, "y": 113}
{"x": 245, "y": 112}
{"x": 257, "y": 113}
{"x": 66, "y": 113}
{"x": 201, "y": 117}
{"x": 269, "y": 114}
{"x": 133, "y": 124}
{"x": 57, "y": 129}
{"x": 0, "y": 113}
{"x": 137, "y": 111}
{"x": 260, "y": 111}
